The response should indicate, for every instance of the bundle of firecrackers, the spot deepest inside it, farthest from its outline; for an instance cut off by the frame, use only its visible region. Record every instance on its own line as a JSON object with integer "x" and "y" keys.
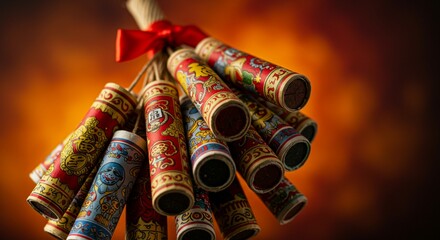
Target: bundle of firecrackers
{"x": 206, "y": 112}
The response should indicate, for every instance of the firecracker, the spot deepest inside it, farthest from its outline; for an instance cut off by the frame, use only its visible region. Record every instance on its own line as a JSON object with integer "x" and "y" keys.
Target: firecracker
{"x": 171, "y": 186}
{"x": 212, "y": 165}
{"x": 111, "y": 187}
{"x": 221, "y": 109}
{"x": 276, "y": 84}
{"x": 256, "y": 162}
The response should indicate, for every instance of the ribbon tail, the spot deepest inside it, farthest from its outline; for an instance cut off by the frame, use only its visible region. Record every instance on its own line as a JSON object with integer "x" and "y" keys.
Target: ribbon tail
{"x": 131, "y": 44}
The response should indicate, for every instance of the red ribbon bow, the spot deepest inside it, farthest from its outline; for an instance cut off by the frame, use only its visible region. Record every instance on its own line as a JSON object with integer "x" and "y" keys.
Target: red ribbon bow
{"x": 133, "y": 43}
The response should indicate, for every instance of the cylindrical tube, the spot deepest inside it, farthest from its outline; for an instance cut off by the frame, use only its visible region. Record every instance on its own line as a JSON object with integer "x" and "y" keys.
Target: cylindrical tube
{"x": 276, "y": 84}
{"x": 285, "y": 201}
{"x": 106, "y": 199}
{"x": 256, "y": 162}
{"x": 59, "y": 185}
{"x": 233, "y": 213}
{"x": 61, "y": 228}
{"x": 142, "y": 221}
{"x": 197, "y": 223}
{"x": 42, "y": 168}
{"x": 298, "y": 120}
{"x": 291, "y": 147}
{"x": 212, "y": 165}
{"x": 224, "y": 113}
{"x": 171, "y": 187}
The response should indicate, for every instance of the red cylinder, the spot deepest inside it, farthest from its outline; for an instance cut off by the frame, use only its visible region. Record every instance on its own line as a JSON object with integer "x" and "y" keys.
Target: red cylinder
{"x": 256, "y": 162}
{"x": 171, "y": 187}
{"x": 224, "y": 113}
{"x": 276, "y": 84}
{"x": 59, "y": 185}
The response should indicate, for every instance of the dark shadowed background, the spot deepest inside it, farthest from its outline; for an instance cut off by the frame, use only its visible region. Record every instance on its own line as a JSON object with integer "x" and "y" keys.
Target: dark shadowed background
{"x": 372, "y": 64}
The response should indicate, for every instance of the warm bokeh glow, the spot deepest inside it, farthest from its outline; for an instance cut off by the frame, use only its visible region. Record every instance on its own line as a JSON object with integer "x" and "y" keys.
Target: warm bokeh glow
{"x": 370, "y": 173}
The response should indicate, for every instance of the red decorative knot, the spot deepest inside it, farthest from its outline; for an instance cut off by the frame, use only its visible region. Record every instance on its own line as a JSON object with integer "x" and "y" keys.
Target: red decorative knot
{"x": 133, "y": 43}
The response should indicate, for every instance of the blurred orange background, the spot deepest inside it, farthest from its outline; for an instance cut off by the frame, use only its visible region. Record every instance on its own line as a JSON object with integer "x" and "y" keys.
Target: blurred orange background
{"x": 372, "y": 170}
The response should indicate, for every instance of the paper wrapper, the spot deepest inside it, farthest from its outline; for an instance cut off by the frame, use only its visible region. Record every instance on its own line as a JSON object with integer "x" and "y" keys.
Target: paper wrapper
{"x": 59, "y": 185}
{"x": 61, "y": 228}
{"x": 212, "y": 165}
{"x": 256, "y": 162}
{"x": 197, "y": 223}
{"x": 301, "y": 122}
{"x": 41, "y": 169}
{"x": 233, "y": 213}
{"x": 222, "y": 111}
{"x": 285, "y": 201}
{"x": 276, "y": 84}
{"x": 291, "y": 147}
{"x": 171, "y": 187}
{"x": 142, "y": 221}
{"x": 111, "y": 187}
